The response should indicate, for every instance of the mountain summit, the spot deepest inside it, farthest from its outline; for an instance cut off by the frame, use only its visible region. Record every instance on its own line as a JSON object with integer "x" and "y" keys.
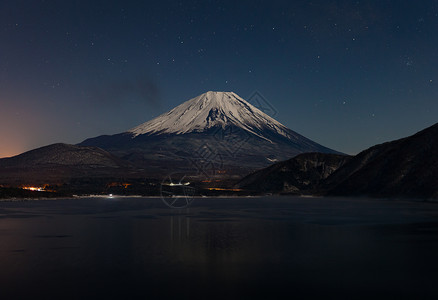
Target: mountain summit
{"x": 215, "y": 128}
{"x": 209, "y": 110}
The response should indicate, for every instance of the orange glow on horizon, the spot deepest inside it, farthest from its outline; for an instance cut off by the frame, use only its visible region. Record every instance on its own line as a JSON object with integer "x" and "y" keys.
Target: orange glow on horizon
{"x": 5, "y": 153}
{"x": 14, "y": 148}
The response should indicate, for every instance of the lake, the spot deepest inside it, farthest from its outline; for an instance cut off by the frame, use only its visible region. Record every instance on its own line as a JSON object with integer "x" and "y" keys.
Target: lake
{"x": 219, "y": 248}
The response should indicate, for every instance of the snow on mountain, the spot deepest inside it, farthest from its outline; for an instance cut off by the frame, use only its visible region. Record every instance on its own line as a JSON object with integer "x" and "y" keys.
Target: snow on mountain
{"x": 213, "y": 109}
{"x": 215, "y": 128}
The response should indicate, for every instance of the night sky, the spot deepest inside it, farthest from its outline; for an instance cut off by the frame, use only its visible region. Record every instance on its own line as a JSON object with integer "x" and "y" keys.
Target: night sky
{"x": 346, "y": 74}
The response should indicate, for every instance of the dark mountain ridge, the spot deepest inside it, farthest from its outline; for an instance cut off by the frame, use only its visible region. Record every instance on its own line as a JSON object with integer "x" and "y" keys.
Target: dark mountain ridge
{"x": 60, "y": 162}
{"x": 301, "y": 174}
{"x": 407, "y": 167}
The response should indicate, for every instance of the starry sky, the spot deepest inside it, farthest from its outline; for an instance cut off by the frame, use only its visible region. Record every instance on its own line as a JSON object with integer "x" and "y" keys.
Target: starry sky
{"x": 346, "y": 74}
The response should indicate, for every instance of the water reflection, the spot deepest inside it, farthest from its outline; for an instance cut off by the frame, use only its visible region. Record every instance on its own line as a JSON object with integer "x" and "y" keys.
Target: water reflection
{"x": 230, "y": 248}
{"x": 179, "y": 228}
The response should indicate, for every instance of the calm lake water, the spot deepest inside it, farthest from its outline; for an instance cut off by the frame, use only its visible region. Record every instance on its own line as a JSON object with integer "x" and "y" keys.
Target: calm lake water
{"x": 219, "y": 248}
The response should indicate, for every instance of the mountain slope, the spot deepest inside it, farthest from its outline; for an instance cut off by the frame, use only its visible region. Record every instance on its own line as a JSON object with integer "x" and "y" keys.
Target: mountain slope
{"x": 217, "y": 128}
{"x": 299, "y": 175}
{"x": 407, "y": 168}
{"x": 59, "y": 162}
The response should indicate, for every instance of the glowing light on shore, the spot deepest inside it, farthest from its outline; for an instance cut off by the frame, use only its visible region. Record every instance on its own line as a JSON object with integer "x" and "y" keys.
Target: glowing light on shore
{"x": 223, "y": 189}
{"x": 34, "y": 189}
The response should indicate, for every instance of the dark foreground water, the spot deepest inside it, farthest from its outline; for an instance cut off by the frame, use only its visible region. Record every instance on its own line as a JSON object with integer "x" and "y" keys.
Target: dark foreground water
{"x": 219, "y": 248}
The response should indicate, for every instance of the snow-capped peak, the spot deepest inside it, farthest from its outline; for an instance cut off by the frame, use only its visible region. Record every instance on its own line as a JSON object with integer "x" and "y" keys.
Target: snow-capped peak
{"x": 211, "y": 109}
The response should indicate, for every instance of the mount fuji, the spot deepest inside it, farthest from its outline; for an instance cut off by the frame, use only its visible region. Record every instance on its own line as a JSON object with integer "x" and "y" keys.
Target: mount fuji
{"x": 214, "y": 133}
